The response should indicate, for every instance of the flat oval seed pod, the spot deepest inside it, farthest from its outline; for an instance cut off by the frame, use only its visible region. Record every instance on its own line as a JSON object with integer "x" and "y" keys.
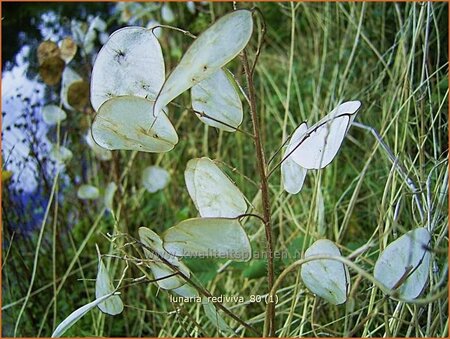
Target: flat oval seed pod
{"x": 69, "y": 77}
{"x": 168, "y": 280}
{"x": 103, "y": 286}
{"x": 216, "y": 195}
{"x": 329, "y": 279}
{"x": 404, "y": 264}
{"x": 189, "y": 174}
{"x": 158, "y": 268}
{"x": 47, "y": 49}
{"x": 186, "y": 291}
{"x": 61, "y": 154}
{"x": 216, "y": 319}
{"x": 52, "y": 114}
{"x": 153, "y": 241}
{"x": 292, "y": 175}
{"x": 216, "y": 96}
{"x": 68, "y": 49}
{"x": 155, "y": 178}
{"x": 167, "y": 14}
{"x": 110, "y": 190}
{"x": 125, "y": 123}
{"x": 322, "y": 141}
{"x": 52, "y": 70}
{"x": 100, "y": 152}
{"x": 78, "y": 95}
{"x": 212, "y": 191}
{"x": 213, "y": 49}
{"x": 130, "y": 63}
{"x": 208, "y": 237}
{"x": 88, "y": 192}
{"x": 191, "y": 7}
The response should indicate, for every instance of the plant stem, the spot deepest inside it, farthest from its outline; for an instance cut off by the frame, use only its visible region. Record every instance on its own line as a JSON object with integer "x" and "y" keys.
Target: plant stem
{"x": 198, "y": 287}
{"x": 269, "y": 325}
{"x": 37, "y": 251}
{"x": 388, "y": 292}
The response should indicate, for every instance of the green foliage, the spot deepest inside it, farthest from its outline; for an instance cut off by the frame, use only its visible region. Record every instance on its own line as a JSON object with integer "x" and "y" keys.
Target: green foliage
{"x": 336, "y": 52}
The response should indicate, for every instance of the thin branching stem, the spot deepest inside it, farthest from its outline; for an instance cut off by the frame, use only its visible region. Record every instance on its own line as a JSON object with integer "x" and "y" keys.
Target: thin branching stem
{"x": 187, "y": 33}
{"x": 207, "y": 116}
{"x": 261, "y": 39}
{"x": 398, "y": 166}
{"x": 269, "y": 326}
{"x": 199, "y": 288}
{"x": 251, "y": 215}
{"x": 392, "y": 293}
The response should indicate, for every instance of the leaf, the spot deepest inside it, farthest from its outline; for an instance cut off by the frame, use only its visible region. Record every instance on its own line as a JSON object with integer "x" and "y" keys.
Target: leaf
{"x": 292, "y": 175}
{"x": 323, "y": 140}
{"x": 212, "y": 191}
{"x": 68, "y": 49}
{"x": 130, "y": 63}
{"x": 205, "y": 268}
{"x": 326, "y": 278}
{"x": 52, "y": 114}
{"x": 109, "y": 195}
{"x": 103, "y": 286}
{"x": 257, "y": 269}
{"x": 100, "y": 152}
{"x": 216, "y": 96}
{"x": 158, "y": 268}
{"x": 51, "y": 70}
{"x": 404, "y": 263}
{"x": 213, "y": 49}
{"x": 88, "y": 192}
{"x": 76, "y": 315}
{"x": 208, "y": 237}
{"x": 182, "y": 213}
{"x": 125, "y": 123}
{"x": 47, "y": 49}
{"x": 69, "y": 77}
{"x": 294, "y": 249}
{"x": 155, "y": 178}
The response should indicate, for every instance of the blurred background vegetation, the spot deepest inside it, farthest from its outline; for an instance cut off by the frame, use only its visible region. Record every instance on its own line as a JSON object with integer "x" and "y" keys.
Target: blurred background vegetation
{"x": 391, "y": 56}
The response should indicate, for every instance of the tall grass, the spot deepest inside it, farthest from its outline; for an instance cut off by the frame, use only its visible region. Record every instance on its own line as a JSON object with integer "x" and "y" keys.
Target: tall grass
{"x": 391, "y": 56}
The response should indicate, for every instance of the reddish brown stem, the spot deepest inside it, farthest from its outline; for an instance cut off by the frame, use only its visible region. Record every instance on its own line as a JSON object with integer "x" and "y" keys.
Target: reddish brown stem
{"x": 262, "y": 168}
